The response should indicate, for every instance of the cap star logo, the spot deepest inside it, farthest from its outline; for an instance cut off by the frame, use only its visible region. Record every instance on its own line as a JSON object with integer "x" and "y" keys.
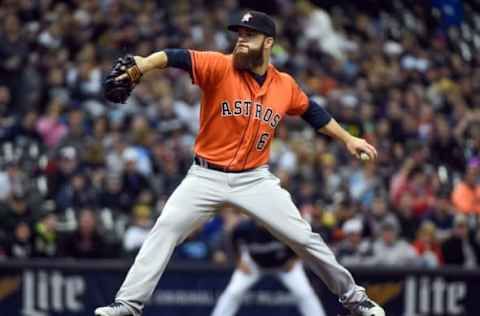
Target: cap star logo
{"x": 246, "y": 18}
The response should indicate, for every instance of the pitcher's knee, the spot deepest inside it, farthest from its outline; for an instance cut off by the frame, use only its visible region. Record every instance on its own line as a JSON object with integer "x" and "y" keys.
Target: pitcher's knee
{"x": 300, "y": 237}
{"x": 296, "y": 233}
{"x": 171, "y": 225}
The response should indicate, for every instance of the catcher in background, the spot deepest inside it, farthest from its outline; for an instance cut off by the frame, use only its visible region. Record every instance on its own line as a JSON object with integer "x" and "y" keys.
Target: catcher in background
{"x": 258, "y": 253}
{"x": 244, "y": 99}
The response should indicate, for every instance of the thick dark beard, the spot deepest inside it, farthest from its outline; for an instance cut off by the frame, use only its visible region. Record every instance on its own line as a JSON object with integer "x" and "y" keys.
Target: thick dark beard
{"x": 247, "y": 61}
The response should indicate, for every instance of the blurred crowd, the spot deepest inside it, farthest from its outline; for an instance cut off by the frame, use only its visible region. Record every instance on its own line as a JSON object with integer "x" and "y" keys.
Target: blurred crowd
{"x": 84, "y": 178}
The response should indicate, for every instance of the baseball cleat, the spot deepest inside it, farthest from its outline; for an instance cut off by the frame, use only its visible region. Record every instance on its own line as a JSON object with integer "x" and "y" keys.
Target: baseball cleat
{"x": 368, "y": 308}
{"x": 114, "y": 309}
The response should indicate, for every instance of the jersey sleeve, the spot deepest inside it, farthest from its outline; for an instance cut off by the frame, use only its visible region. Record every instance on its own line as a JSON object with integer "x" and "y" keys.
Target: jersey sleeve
{"x": 316, "y": 115}
{"x": 179, "y": 58}
{"x": 299, "y": 100}
{"x": 208, "y": 68}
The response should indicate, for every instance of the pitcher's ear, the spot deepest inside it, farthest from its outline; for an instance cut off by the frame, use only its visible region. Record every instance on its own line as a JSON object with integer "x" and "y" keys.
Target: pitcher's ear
{"x": 269, "y": 41}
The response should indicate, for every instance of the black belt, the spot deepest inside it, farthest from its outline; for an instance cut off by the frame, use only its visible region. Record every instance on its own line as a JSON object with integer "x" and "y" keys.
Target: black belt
{"x": 206, "y": 164}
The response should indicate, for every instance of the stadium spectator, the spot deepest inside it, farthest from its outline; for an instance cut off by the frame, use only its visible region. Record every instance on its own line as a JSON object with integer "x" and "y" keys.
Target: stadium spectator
{"x": 6, "y": 108}
{"x": 50, "y": 125}
{"x": 86, "y": 241}
{"x": 413, "y": 181}
{"x": 444, "y": 141}
{"x": 23, "y": 129}
{"x": 353, "y": 250}
{"x": 409, "y": 223}
{"x": 459, "y": 249}
{"x": 377, "y": 216}
{"x": 138, "y": 230}
{"x": 14, "y": 210}
{"x": 76, "y": 134}
{"x": 322, "y": 222}
{"x": 12, "y": 180}
{"x": 78, "y": 193}
{"x": 20, "y": 244}
{"x": 133, "y": 181}
{"x": 392, "y": 250}
{"x": 442, "y": 215}
{"x": 113, "y": 196}
{"x": 60, "y": 169}
{"x": 466, "y": 193}
{"x": 46, "y": 237}
{"x": 427, "y": 246}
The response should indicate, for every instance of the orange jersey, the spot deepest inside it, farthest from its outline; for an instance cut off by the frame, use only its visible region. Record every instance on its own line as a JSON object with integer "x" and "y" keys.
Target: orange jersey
{"x": 237, "y": 116}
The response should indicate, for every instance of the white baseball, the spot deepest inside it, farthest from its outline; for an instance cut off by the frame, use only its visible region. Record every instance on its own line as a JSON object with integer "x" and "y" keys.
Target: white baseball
{"x": 364, "y": 156}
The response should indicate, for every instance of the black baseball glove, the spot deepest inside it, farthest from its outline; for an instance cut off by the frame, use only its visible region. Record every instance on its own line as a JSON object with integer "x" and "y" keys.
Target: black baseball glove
{"x": 118, "y": 90}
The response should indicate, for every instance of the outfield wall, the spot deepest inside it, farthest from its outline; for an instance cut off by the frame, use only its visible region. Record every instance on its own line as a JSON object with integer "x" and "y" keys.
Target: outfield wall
{"x": 75, "y": 288}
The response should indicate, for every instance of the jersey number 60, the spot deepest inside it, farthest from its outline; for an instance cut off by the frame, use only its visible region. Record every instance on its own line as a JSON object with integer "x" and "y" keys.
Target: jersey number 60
{"x": 262, "y": 141}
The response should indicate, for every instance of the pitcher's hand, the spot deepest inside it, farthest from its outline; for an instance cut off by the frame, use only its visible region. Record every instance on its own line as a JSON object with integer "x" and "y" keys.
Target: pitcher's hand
{"x": 358, "y": 146}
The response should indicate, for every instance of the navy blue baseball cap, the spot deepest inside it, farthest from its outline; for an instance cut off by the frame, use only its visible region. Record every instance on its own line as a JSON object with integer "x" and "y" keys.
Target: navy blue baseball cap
{"x": 255, "y": 20}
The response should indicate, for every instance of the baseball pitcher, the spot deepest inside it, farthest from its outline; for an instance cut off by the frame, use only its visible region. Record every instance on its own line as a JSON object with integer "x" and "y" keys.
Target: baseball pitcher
{"x": 244, "y": 98}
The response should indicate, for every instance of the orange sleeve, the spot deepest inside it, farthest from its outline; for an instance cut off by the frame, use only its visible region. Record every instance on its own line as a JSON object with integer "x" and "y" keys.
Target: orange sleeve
{"x": 208, "y": 68}
{"x": 299, "y": 100}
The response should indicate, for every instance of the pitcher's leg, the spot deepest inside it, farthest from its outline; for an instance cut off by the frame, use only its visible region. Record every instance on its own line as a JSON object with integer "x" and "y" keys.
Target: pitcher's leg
{"x": 189, "y": 206}
{"x": 272, "y": 205}
{"x": 230, "y": 300}
{"x": 297, "y": 282}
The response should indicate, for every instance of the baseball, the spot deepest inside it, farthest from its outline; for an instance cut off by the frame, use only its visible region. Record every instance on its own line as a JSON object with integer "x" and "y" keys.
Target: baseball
{"x": 364, "y": 156}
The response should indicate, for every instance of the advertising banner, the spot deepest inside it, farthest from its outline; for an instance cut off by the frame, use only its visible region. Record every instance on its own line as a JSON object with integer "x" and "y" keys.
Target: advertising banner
{"x": 77, "y": 288}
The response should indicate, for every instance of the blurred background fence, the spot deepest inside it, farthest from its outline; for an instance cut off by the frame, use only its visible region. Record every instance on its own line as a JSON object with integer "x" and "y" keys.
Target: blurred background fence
{"x": 76, "y": 288}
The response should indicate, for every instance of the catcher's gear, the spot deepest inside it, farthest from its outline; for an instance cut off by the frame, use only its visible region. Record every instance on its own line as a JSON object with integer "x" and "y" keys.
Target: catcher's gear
{"x": 116, "y": 90}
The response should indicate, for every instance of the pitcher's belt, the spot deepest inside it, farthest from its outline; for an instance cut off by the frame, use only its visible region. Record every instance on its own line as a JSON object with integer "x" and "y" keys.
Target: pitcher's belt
{"x": 206, "y": 164}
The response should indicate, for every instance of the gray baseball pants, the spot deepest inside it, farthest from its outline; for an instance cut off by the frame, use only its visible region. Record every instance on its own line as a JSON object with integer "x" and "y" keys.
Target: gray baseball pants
{"x": 259, "y": 194}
